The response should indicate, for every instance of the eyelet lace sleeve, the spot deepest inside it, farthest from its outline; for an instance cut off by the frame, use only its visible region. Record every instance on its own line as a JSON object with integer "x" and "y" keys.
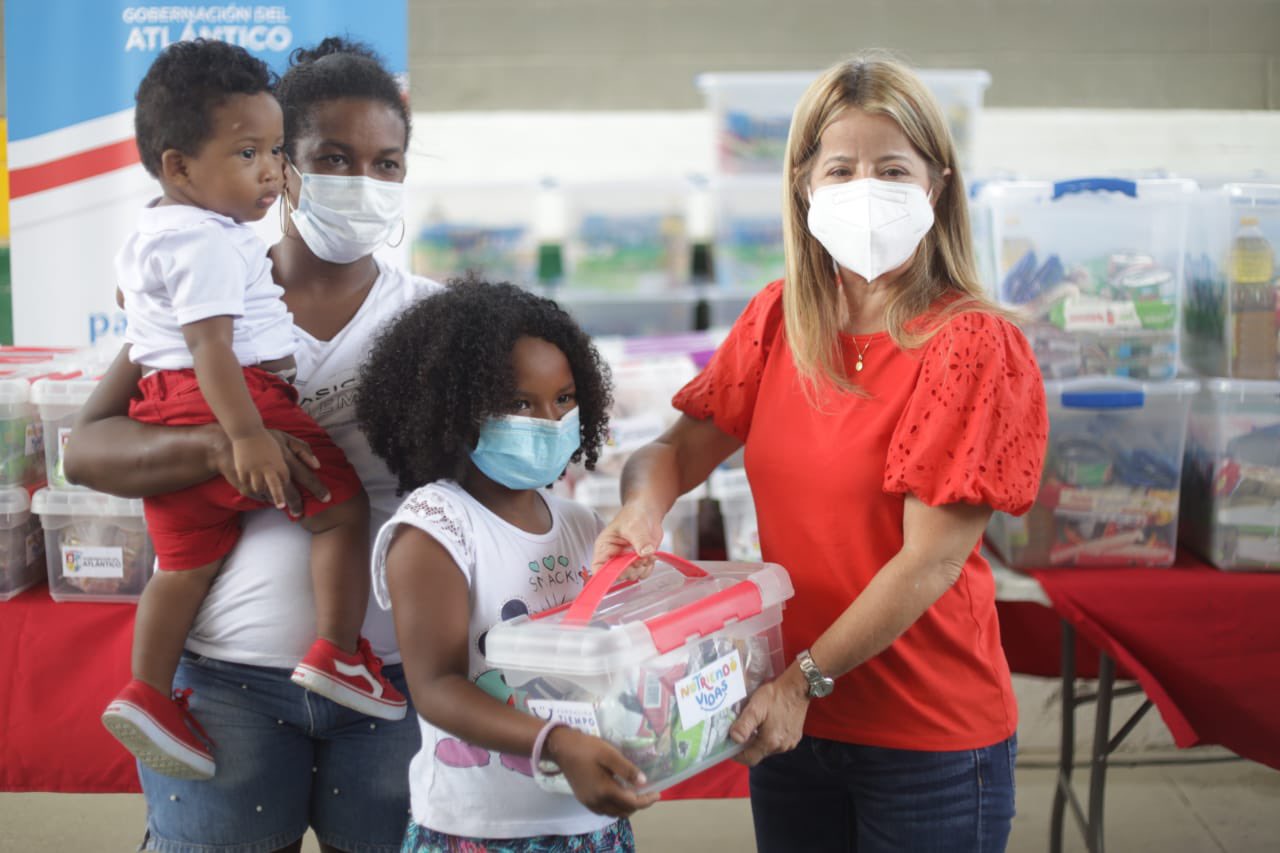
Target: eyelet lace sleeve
{"x": 435, "y": 512}
{"x": 725, "y": 390}
{"x": 975, "y": 428}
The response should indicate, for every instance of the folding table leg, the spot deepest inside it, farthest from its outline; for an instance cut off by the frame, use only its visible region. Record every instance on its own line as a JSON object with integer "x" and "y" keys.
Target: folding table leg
{"x": 1101, "y": 749}
{"x": 1066, "y": 749}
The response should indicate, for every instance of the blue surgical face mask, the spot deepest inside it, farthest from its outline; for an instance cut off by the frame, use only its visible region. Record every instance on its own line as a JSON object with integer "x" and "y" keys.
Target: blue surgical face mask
{"x": 526, "y": 453}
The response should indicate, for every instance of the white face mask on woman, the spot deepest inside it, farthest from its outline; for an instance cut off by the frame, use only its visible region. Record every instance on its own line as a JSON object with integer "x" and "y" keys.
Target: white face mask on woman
{"x": 870, "y": 226}
{"x": 342, "y": 219}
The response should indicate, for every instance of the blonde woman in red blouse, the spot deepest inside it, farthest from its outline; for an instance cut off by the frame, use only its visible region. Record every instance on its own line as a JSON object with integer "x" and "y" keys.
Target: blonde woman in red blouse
{"x": 887, "y": 408}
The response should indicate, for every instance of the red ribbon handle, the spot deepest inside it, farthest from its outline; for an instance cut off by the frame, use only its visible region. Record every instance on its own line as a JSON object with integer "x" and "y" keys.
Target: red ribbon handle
{"x": 584, "y": 606}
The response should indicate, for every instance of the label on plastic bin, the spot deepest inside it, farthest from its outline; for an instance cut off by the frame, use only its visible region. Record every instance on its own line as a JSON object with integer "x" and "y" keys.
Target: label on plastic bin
{"x": 578, "y": 715}
{"x": 56, "y": 476}
{"x": 34, "y": 443}
{"x": 711, "y": 688}
{"x": 1095, "y": 315}
{"x": 82, "y": 561}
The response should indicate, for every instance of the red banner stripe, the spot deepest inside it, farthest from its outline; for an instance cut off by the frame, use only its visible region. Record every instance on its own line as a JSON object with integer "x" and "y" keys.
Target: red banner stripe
{"x": 76, "y": 167}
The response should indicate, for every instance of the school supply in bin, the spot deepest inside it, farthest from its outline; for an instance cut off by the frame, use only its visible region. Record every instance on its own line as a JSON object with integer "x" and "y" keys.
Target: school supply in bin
{"x": 59, "y": 399}
{"x": 1231, "y": 483}
{"x": 96, "y": 545}
{"x": 1109, "y": 496}
{"x": 660, "y": 668}
{"x": 1096, "y": 267}
{"x": 21, "y": 544}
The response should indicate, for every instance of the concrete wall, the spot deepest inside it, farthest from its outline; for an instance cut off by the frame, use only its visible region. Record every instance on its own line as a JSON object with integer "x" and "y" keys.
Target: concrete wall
{"x": 643, "y": 54}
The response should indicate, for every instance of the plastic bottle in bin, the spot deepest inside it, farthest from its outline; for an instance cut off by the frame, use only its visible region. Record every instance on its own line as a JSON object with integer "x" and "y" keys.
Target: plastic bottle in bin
{"x": 1253, "y": 303}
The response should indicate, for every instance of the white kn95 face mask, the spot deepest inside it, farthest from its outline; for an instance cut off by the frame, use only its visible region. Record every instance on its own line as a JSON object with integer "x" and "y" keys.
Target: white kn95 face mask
{"x": 870, "y": 226}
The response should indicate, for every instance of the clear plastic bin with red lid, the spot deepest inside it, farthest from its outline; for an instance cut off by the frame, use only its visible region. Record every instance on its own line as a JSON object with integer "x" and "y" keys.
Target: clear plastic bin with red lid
{"x": 659, "y": 667}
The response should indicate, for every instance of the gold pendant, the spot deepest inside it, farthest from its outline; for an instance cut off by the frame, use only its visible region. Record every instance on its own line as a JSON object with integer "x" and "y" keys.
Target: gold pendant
{"x": 858, "y": 366}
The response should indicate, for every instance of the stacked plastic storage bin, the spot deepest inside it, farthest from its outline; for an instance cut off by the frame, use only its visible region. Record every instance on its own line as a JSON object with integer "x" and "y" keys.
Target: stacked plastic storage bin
{"x": 1232, "y": 314}
{"x": 1231, "y": 485}
{"x": 485, "y": 228}
{"x": 627, "y": 257}
{"x": 1110, "y": 491}
{"x": 96, "y": 546}
{"x": 21, "y": 433}
{"x": 1096, "y": 266}
{"x": 21, "y": 545}
{"x": 659, "y": 668}
{"x": 1231, "y": 482}
{"x": 751, "y": 117}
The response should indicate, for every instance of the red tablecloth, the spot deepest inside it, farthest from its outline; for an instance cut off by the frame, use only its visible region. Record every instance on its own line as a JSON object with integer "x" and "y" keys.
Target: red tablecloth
{"x": 1204, "y": 645}
{"x": 62, "y": 663}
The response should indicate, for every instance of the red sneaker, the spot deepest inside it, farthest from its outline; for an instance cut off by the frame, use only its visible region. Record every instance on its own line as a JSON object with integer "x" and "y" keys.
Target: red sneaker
{"x": 160, "y": 731}
{"x": 355, "y": 681}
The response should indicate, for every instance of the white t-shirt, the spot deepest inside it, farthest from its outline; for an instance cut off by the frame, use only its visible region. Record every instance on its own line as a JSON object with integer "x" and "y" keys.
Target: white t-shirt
{"x": 455, "y": 787}
{"x": 185, "y": 264}
{"x": 260, "y": 609}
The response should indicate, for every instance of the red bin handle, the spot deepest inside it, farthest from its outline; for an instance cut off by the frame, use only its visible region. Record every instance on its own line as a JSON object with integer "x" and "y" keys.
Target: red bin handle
{"x": 584, "y": 606}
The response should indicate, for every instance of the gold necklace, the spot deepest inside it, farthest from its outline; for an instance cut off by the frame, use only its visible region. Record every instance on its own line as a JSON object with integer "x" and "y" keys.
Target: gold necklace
{"x": 861, "y": 351}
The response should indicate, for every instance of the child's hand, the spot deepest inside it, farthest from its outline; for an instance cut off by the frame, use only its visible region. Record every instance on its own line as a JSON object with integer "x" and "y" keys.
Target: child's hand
{"x": 602, "y": 779}
{"x": 260, "y": 465}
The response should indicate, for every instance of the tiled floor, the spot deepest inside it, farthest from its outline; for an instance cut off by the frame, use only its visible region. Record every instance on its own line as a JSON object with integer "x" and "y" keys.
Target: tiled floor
{"x": 1229, "y": 807}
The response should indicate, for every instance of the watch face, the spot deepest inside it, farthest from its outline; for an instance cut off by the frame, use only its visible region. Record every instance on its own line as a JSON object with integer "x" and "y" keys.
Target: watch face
{"x": 822, "y": 687}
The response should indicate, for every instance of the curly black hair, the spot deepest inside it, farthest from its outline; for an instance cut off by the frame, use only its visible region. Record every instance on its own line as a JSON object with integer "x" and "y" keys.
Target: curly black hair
{"x": 335, "y": 68}
{"x": 176, "y": 98}
{"x": 443, "y": 368}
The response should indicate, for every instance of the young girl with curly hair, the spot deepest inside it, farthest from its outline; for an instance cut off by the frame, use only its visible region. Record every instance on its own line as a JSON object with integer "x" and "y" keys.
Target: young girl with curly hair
{"x": 477, "y": 398}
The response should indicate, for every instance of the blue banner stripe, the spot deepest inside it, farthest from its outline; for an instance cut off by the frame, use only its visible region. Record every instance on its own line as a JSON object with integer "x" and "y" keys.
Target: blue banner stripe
{"x": 70, "y": 61}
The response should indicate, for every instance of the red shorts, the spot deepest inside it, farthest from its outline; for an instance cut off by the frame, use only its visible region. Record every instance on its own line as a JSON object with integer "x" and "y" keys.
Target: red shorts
{"x": 200, "y": 525}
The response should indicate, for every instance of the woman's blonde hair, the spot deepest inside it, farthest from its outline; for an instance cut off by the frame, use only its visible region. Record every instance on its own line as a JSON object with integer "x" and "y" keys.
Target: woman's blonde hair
{"x": 943, "y": 264}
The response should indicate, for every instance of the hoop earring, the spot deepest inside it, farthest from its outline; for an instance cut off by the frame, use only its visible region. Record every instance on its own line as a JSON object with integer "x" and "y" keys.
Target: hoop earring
{"x": 286, "y": 214}
{"x": 399, "y": 239}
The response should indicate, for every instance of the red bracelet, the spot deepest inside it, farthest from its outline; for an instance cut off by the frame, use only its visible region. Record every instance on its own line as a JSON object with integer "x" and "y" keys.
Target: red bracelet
{"x": 539, "y": 765}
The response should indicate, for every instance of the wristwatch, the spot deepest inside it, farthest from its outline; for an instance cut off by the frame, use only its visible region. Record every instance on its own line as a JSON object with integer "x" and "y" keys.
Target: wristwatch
{"x": 819, "y": 684}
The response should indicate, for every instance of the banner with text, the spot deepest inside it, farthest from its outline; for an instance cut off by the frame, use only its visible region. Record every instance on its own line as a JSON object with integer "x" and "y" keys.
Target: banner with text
{"x": 71, "y": 69}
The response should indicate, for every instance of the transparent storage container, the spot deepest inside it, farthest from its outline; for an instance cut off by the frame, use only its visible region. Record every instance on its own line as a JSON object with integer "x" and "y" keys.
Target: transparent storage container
{"x": 21, "y": 433}
{"x": 660, "y": 668}
{"x": 679, "y": 528}
{"x": 726, "y": 304}
{"x": 1096, "y": 266}
{"x": 748, "y": 231}
{"x": 629, "y": 313}
{"x": 751, "y": 112}
{"x": 626, "y": 236}
{"x": 1231, "y": 318}
{"x": 58, "y": 401}
{"x": 486, "y": 228}
{"x": 731, "y": 490}
{"x": 21, "y": 544}
{"x": 1231, "y": 477}
{"x": 1109, "y": 496}
{"x": 96, "y": 545}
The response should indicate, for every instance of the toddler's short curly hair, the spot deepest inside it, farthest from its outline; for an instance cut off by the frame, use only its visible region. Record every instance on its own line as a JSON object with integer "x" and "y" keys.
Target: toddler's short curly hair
{"x": 176, "y": 98}
{"x": 444, "y": 367}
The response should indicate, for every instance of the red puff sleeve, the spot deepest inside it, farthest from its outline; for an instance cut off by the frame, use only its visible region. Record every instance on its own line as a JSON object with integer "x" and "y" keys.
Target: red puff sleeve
{"x": 975, "y": 427}
{"x": 725, "y": 390}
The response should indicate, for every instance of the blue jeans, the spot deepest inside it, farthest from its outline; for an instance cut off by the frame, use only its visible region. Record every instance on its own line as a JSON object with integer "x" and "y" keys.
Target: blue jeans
{"x": 287, "y": 759}
{"x": 830, "y": 796}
